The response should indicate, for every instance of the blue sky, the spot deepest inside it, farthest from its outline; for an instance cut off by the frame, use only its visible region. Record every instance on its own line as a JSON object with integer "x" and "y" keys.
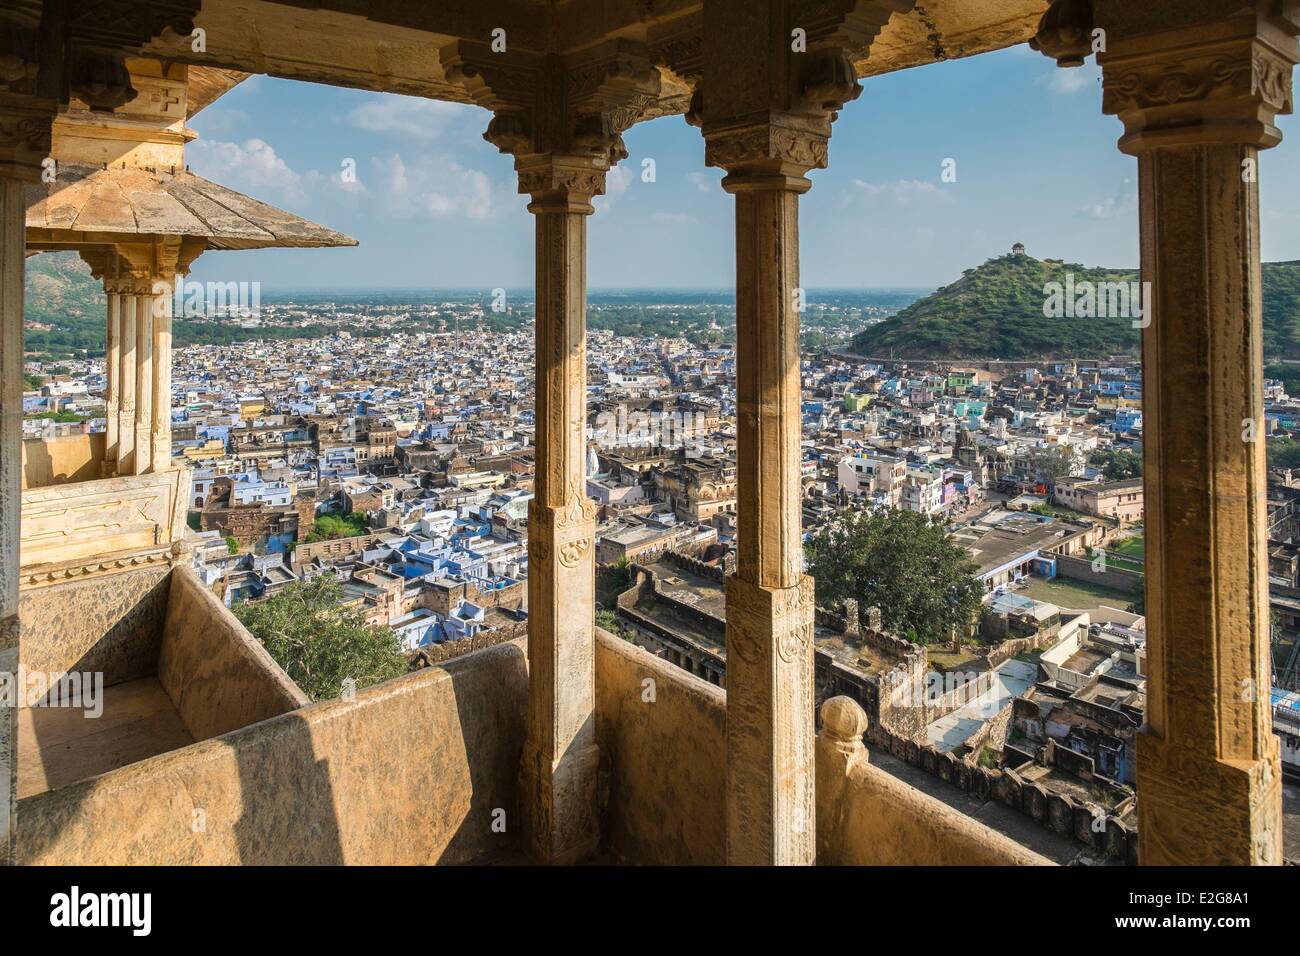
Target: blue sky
{"x": 434, "y": 206}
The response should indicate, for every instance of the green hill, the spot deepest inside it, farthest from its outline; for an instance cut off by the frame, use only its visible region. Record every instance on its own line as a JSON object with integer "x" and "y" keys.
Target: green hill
{"x": 63, "y": 295}
{"x": 996, "y": 312}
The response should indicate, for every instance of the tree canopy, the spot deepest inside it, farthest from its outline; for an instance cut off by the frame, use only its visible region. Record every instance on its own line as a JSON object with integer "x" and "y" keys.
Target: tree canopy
{"x": 1118, "y": 464}
{"x": 319, "y": 643}
{"x": 328, "y": 526}
{"x": 901, "y": 562}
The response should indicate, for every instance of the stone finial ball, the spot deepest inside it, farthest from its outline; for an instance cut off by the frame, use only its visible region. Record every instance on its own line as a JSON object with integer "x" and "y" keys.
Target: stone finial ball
{"x": 844, "y": 718}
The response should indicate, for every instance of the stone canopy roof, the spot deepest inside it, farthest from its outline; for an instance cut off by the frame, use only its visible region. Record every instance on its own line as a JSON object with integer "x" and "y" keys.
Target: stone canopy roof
{"x": 91, "y": 204}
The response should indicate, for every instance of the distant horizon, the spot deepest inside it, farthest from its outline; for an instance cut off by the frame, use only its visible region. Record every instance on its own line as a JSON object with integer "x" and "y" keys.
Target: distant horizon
{"x": 476, "y": 289}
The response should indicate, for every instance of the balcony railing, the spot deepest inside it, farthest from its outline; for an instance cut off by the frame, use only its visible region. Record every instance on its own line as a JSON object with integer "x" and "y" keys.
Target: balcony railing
{"x": 424, "y": 769}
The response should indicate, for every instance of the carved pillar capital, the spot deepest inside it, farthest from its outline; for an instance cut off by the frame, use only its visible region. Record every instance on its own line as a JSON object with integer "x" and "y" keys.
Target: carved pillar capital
{"x": 779, "y": 147}
{"x": 562, "y": 118}
{"x": 1218, "y": 82}
{"x": 777, "y": 152}
{"x": 561, "y": 183}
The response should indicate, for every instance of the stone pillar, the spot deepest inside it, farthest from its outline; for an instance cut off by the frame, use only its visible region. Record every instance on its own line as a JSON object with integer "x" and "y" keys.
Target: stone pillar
{"x": 13, "y": 212}
{"x": 144, "y": 310}
{"x": 103, "y": 262}
{"x": 1197, "y": 90}
{"x": 112, "y": 378}
{"x": 765, "y": 107}
{"x": 770, "y": 814}
{"x": 560, "y": 755}
{"x": 561, "y": 118}
{"x": 127, "y": 312}
{"x": 28, "y": 101}
{"x": 160, "y": 440}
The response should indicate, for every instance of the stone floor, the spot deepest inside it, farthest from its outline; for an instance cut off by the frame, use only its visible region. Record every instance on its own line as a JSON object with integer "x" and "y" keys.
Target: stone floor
{"x": 62, "y": 745}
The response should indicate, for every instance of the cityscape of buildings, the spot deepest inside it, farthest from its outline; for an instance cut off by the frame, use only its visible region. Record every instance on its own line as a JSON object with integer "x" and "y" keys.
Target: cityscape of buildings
{"x": 423, "y": 442}
{"x": 1007, "y": 573}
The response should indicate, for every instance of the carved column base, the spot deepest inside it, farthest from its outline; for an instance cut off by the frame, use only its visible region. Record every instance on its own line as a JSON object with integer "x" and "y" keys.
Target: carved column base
{"x": 559, "y": 803}
{"x": 770, "y": 755}
{"x": 1232, "y": 819}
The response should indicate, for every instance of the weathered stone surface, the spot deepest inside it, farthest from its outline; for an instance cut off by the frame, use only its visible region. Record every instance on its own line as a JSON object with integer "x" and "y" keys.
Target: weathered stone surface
{"x": 663, "y": 734}
{"x": 413, "y": 771}
{"x": 873, "y": 818}
{"x": 110, "y": 624}
{"x": 217, "y": 675}
{"x": 93, "y": 520}
{"x": 64, "y": 460}
{"x": 1198, "y": 87}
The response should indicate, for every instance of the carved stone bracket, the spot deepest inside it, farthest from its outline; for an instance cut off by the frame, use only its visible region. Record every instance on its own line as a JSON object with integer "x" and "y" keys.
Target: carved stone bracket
{"x": 562, "y": 118}
{"x": 848, "y": 26}
{"x": 1222, "y": 83}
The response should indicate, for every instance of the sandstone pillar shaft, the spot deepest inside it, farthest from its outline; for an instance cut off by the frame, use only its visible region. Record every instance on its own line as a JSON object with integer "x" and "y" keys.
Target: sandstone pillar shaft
{"x": 559, "y": 779}
{"x": 13, "y": 213}
{"x": 1209, "y": 783}
{"x": 143, "y": 382}
{"x": 160, "y": 440}
{"x": 126, "y": 363}
{"x": 28, "y": 102}
{"x": 765, "y": 108}
{"x": 112, "y": 378}
{"x": 770, "y": 813}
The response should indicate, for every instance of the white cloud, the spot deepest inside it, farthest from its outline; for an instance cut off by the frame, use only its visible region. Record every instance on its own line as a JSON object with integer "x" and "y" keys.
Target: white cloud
{"x": 703, "y": 181}
{"x": 407, "y": 116}
{"x": 902, "y": 191}
{"x": 435, "y": 186}
{"x": 617, "y": 181}
{"x": 1070, "y": 80}
{"x": 251, "y": 166}
{"x": 1113, "y": 207}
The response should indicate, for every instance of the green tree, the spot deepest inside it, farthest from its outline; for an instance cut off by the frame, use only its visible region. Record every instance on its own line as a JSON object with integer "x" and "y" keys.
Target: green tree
{"x": 232, "y": 543}
{"x": 337, "y": 526}
{"x": 320, "y": 643}
{"x": 1047, "y": 464}
{"x": 1283, "y": 453}
{"x": 1118, "y": 464}
{"x": 1139, "y": 603}
{"x": 901, "y": 562}
{"x": 620, "y": 574}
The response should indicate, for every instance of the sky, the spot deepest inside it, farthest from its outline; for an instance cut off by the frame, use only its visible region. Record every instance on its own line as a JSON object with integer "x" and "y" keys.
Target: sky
{"x": 434, "y": 206}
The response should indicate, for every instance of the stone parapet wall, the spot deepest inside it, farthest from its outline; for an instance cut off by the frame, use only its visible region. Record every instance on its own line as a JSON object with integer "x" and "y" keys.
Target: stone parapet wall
{"x": 665, "y": 742}
{"x": 412, "y": 771}
{"x": 1061, "y": 813}
{"x": 867, "y": 817}
{"x": 710, "y": 572}
{"x": 218, "y": 676}
{"x": 63, "y": 460}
